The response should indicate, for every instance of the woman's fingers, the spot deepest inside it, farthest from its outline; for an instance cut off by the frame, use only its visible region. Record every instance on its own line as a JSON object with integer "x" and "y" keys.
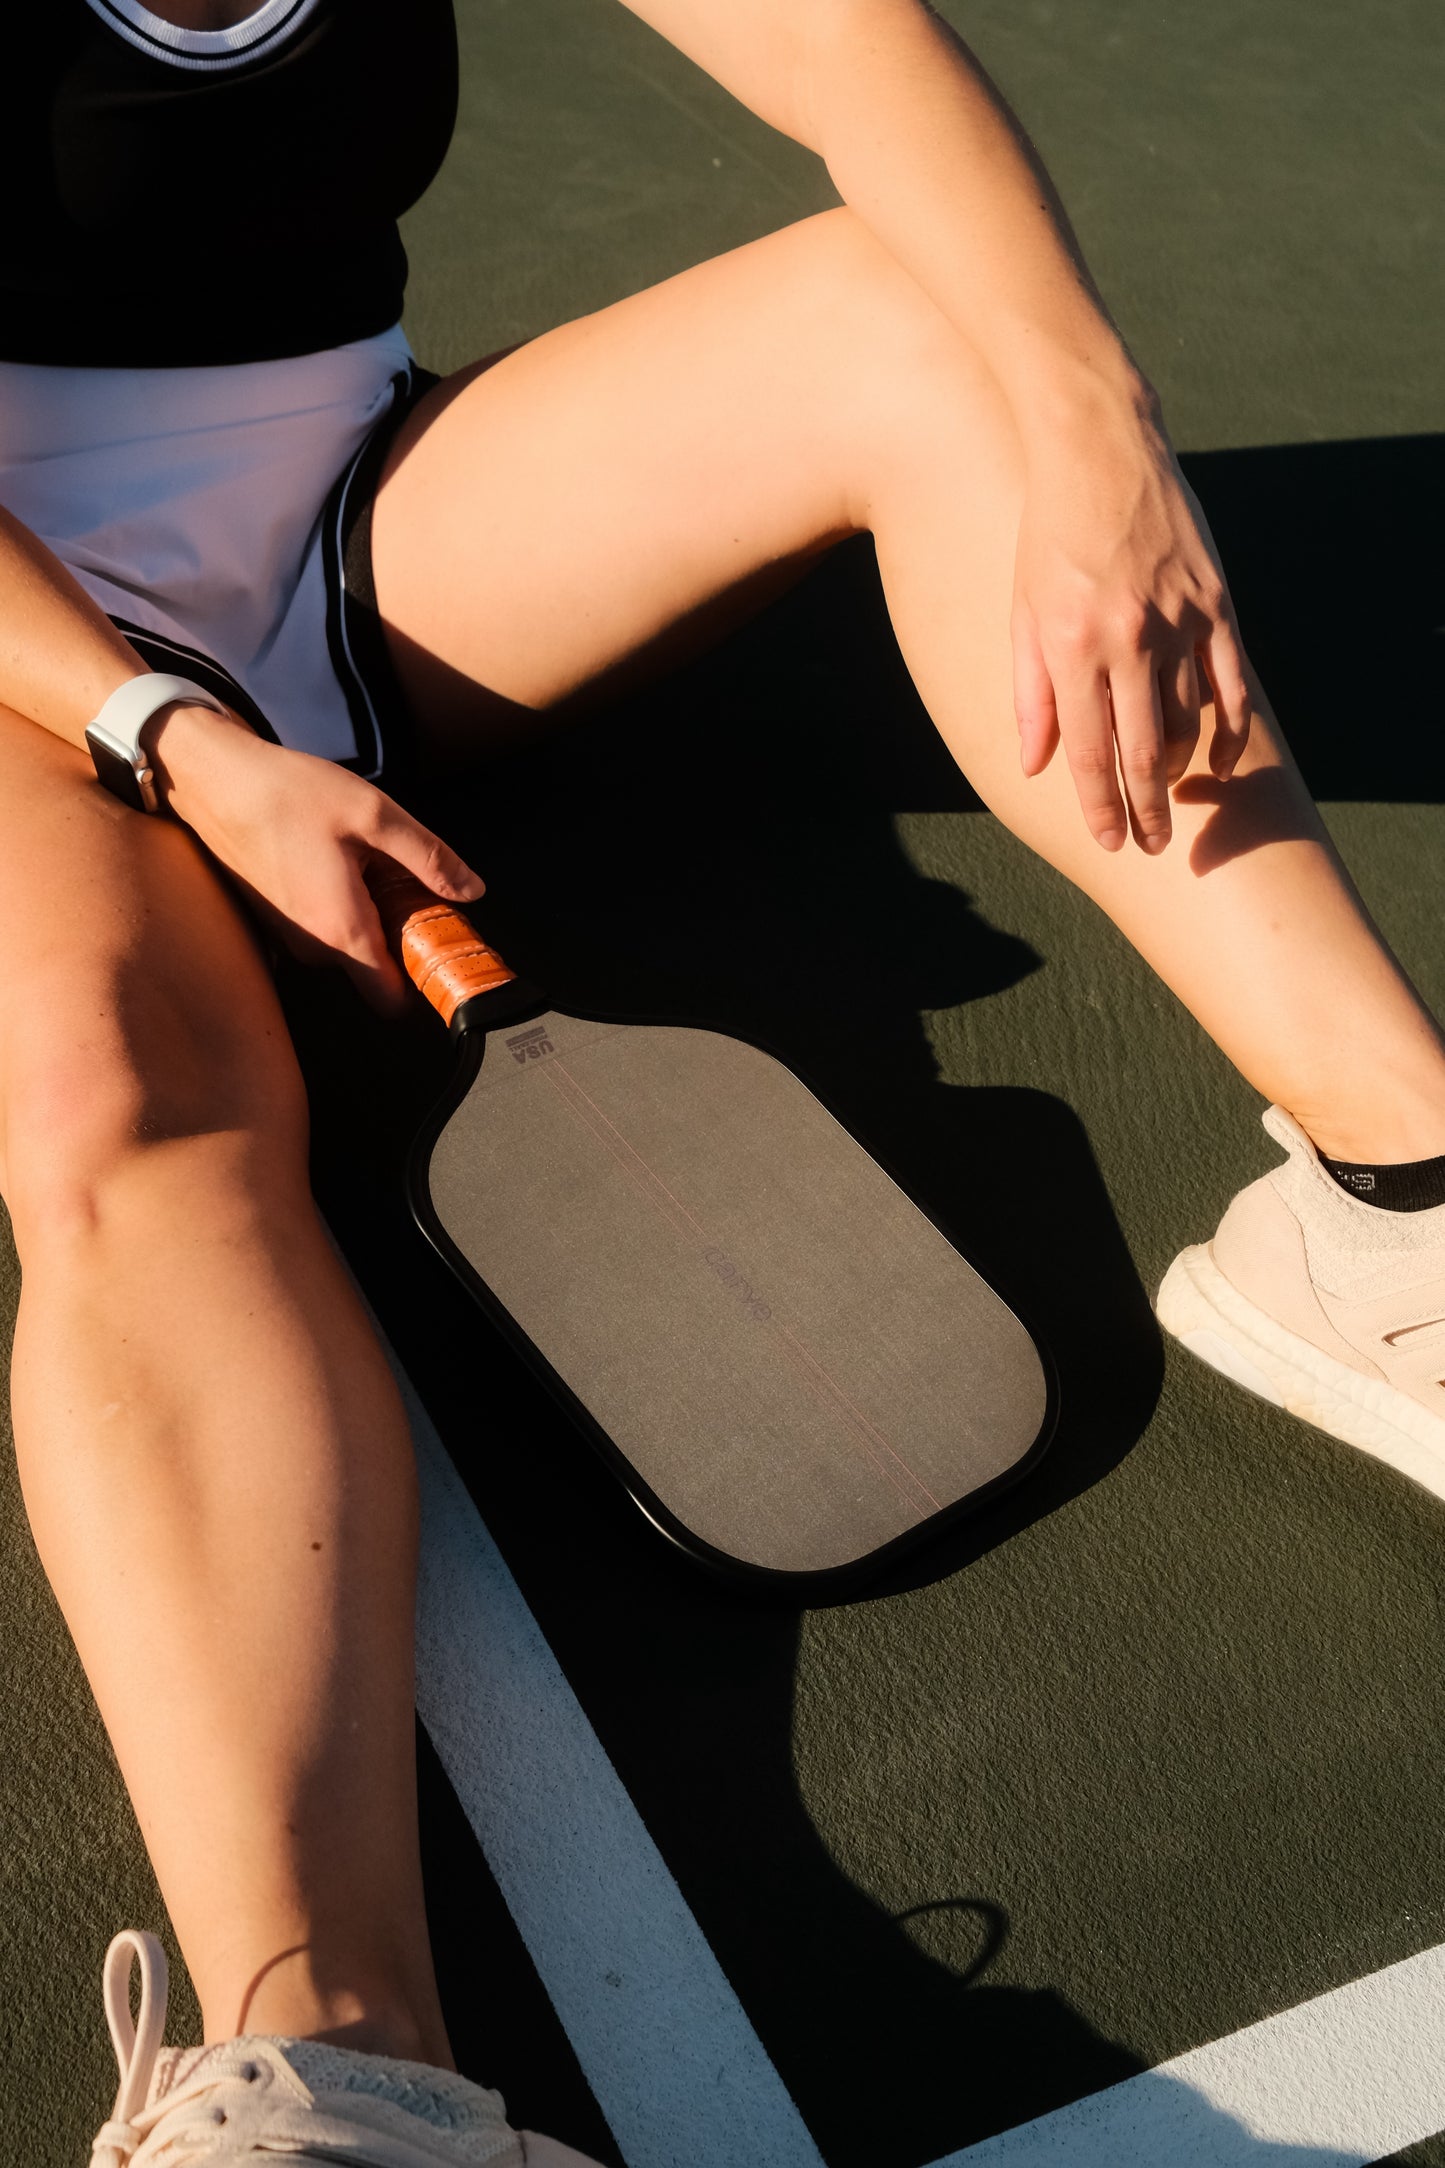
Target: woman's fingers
{"x": 1179, "y": 705}
{"x": 336, "y": 927}
{"x": 1035, "y": 709}
{"x": 1086, "y": 725}
{"x": 1228, "y": 673}
{"x": 359, "y": 944}
{"x": 1128, "y": 738}
{"x": 394, "y": 833}
{"x": 1143, "y": 754}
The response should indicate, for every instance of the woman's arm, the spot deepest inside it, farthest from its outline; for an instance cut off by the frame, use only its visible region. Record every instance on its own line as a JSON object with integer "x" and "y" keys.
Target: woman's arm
{"x": 60, "y": 656}
{"x": 296, "y": 833}
{"x": 1117, "y": 587}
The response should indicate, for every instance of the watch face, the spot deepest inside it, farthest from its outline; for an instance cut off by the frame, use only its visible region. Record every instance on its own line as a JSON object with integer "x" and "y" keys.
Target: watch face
{"x": 117, "y": 774}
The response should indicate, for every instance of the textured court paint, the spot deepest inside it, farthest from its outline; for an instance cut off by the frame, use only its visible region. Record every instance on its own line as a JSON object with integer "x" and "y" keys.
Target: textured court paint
{"x": 1334, "y": 2083}
{"x": 676, "y": 2068}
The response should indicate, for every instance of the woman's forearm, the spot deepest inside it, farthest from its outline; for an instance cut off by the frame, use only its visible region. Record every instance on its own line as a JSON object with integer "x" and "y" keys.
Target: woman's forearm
{"x": 60, "y": 656}
{"x": 61, "y": 659}
{"x": 924, "y": 150}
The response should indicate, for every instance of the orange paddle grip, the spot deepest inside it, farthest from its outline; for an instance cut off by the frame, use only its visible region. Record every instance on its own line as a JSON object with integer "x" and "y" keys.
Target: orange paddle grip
{"x": 441, "y": 951}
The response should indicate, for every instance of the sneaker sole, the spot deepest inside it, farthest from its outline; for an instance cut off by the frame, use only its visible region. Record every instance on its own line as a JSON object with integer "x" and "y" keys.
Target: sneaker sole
{"x": 1207, "y": 1314}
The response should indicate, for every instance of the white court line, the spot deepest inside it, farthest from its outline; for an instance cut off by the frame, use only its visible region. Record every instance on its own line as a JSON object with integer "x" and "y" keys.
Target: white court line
{"x": 1333, "y": 2083}
{"x": 677, "y": 2070}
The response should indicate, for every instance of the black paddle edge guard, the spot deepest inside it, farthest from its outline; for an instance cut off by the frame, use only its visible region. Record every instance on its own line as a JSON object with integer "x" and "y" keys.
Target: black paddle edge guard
{"x": 513, "y": 1004}
{"x": 509, "y": 1004}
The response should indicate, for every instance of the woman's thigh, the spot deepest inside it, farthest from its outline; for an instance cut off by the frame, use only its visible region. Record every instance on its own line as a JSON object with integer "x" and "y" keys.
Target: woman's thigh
{"x": 616, "y": 490}
{"x": 135, "y": 1007}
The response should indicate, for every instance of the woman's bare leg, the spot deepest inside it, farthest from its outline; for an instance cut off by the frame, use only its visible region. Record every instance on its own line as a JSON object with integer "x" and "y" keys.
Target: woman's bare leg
{"x": 554, "y": 516}
{"x": 217, "y": 1468}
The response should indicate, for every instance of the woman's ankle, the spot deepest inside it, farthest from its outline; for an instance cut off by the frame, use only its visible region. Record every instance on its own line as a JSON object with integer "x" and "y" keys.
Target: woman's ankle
{"x": 391, "y": 2033}
{"x": 1381, "y": 1136}
{"x": 348, "y": 2005}
{"x": 1383, "y": 1117}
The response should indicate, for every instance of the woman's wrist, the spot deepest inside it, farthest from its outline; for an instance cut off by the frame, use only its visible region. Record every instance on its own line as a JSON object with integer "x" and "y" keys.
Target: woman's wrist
{"x": 187, "y": 746}
{"x": 1064, "y": 401}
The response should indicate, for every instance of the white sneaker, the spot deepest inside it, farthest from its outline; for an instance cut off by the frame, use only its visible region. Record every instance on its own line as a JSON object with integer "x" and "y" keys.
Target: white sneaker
{"x": 1328, "y": 1307}
{"x": 258, "y": 2096}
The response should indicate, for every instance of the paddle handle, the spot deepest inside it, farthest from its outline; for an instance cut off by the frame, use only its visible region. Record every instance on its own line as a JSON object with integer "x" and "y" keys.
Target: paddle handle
{"x": 441, "y": 951}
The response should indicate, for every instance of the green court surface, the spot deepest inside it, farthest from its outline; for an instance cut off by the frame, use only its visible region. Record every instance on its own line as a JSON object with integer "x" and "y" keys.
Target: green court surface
{"x": 1154, "y": 1749}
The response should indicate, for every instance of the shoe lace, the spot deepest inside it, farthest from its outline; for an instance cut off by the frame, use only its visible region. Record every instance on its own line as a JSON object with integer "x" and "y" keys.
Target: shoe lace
{"x": 188, "y": 2118}
{"x": 136, "y": 2044}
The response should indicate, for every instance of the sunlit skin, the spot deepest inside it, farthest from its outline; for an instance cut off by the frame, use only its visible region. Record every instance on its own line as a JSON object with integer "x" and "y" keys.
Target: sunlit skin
{"x": 216, "y": 1464}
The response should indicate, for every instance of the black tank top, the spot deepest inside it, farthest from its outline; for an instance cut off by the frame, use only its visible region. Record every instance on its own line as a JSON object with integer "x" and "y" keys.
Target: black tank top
{"x": 233, "y": 197}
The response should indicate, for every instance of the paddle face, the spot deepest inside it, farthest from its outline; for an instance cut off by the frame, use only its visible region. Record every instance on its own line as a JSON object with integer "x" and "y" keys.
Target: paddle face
{"x": 788, "y": 1364}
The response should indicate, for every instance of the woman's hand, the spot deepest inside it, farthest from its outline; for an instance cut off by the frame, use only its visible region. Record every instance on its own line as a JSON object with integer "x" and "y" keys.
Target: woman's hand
{"x": 298, "y": 835}
{"x": 1117, "y": 591}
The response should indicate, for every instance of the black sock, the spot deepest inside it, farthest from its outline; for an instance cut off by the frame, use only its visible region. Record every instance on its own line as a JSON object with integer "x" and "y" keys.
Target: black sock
{"x": 1411, "y": 1185}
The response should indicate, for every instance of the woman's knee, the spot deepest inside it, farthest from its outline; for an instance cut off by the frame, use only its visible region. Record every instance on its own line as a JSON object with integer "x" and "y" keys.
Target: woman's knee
{"x": 917, "y": 396}
{"x": 133, "y": 1099}
{"x": 137, "y": 1018}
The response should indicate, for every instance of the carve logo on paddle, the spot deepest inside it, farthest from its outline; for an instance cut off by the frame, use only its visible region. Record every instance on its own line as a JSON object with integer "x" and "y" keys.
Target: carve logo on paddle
{"x": 531, "y": 1045}
{"x": 732, "y": 1279}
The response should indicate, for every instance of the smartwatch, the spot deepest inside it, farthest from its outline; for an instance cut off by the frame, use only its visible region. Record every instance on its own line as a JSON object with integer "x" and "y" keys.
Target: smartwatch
{"x": 114, "y": 738}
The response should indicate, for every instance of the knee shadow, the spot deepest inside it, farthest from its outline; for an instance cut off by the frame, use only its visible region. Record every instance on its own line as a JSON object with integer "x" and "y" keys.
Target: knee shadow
{"x": 1334, "y": 559}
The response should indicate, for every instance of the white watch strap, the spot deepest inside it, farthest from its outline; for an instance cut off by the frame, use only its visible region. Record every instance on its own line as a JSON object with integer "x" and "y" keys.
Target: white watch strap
{"x": 131, "y": 706}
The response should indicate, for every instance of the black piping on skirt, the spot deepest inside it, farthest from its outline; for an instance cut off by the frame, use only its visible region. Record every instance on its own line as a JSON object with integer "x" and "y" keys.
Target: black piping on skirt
{"x": 385, "y": 740}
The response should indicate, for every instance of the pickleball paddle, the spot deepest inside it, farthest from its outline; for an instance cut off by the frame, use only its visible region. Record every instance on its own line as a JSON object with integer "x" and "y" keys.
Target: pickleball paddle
{"x": 792, "y": 1370}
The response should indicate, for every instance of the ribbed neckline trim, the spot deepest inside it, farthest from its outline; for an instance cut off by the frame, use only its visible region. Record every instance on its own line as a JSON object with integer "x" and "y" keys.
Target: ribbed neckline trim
{"x": 258, "y": 33}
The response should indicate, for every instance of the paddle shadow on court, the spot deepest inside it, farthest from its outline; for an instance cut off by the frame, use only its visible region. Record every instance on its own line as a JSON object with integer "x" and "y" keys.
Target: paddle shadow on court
{"x": 723, "y": 847}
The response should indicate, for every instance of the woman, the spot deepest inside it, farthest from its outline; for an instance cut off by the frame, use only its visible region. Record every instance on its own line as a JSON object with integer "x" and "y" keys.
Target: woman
{"x": 931, "y": 363}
